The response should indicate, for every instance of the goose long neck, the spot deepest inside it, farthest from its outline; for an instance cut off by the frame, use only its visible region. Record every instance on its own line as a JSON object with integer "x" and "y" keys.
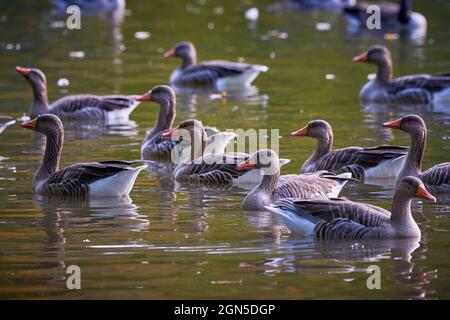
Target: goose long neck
{"x": 40, "y": 99}
{"x": 268, "y": 184}
{"x": 401, "y": 208}
{"x": 405, "y": 11}
{"x": 413, "y": 163}
{"x": 189, "y": 60}
{"x": 197, "y": 149}
{"x": 52, "y": 155}
{"x": 324, "y": 146}
{"x": 384, "y": 73}
{"x": 166, "y": 115}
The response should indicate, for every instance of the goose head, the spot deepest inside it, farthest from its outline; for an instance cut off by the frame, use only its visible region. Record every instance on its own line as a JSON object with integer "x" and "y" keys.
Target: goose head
{"x": 412, "y": 187}
{"x": 182, "y": 50}
{"x": 46, "y": 124}
{"x": 265, "y": 159}
{"x": 317, "y": 129}
{"x": 189, "y": 132}
{"x": 411, "y": 124}
{"x": 34, "y": 76}
{"x": 160, "y": 94}
{"x": 376, "y": 55}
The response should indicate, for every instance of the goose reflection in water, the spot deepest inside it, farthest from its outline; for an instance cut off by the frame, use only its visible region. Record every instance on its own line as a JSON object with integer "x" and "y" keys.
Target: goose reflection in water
{"x": 348, "y": 258}
{"x": 102, "y": 213}
{"x": 188, "y": 98}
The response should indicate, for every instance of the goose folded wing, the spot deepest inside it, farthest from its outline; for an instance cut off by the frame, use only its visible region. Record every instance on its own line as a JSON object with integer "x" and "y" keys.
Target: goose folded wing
{"x": 76, "y": 103}
{"x": 208, "y": 72}
{"x": 437, "y": 175}
{"x": 87, "y": 173}
{"x": 430, "y": 83}
{"x": 367, "y": 215}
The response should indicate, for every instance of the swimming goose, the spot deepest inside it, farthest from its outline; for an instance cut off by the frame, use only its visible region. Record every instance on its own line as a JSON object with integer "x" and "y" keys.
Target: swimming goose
{"x": 156, "y": 147}
{"x": 208, "y": 169}
{"x": 221, "y": 73}
{"x": 85, "y": 108}
{"x": 336, "y": 219}
{"x": 421, "y": 88}
{"x": 436, "y": 178}
{"x": 393, "y": 17}
{"x": 93, "y": 179}
{"x": 274, "y": 187}
{"x": 362, "y": 162}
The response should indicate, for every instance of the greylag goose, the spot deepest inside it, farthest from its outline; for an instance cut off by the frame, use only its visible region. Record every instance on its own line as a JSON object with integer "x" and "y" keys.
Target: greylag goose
{"x": 393, "y": 17}
{"x": 436, "y": 178}
{"x": 90, "y": 179}
{"x": 362, "y": 162}
{"x": 274, "y": 187}
{"x": 222, "y": 74}
{"x": 85, "y": 108}
{"x": 421, "y": 88}
{"x": 155, "y": 146}
{"x": 344, "y": 219}
{"x": 208, "y": 169}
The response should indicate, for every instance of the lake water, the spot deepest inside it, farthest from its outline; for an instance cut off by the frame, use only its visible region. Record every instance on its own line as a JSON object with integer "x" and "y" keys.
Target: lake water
{"x": 166, "y": 241}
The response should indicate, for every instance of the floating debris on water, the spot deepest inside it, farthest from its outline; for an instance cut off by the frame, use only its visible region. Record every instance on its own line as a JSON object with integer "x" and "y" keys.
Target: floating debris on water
{"x": 76, "y": 54}
{"x": 252, "y": 13}
{"x": 63, "y": 82}
{"x": 241, "y": 59}
{"x": 190, "y": 8}
{"x": 218, "y": 96}
{"x": 273, "y": 55}
{"x": 218, "y": 11}
{"x": 210, "y": 26}
{"x": 330, "y": 76}
{"x": 274, "y": 34}
{"x": 371, "y": 76}
{"x": 13, "y": 46}
{"x": 57, "y": 24}
{"x": 227, "y": 281}
{"x": 142, "y": 35}
{"x": 391, "y": 36}
{"x": 323, "y": 26}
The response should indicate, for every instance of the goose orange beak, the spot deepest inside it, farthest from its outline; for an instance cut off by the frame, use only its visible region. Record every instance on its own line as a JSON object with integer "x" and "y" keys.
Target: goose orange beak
{"x": 168, "y": 134}
{"x": 23, "y": 71}
{"x": 145, "y": 97}
{"x": 393, "y": 124}
{"x": 245, "y": 165}
{"x": 300, "y": 132}
{"x": 29, "y": 124}
{"x": 424, "y": 194}
{"x": 169, "y": 54}
{"x": 361, "y": 58}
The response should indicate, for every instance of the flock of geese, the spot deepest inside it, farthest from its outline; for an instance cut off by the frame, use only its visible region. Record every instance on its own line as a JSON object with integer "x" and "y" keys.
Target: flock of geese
{"x": 307, "y": 202}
